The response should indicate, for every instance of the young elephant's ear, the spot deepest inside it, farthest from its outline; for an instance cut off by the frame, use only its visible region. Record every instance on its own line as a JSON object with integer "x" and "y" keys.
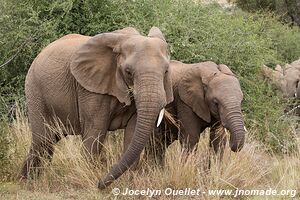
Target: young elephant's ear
{"x": 224, "y": 69}
{"x": 191, "y": 91}
{"x": 94, "y": 65}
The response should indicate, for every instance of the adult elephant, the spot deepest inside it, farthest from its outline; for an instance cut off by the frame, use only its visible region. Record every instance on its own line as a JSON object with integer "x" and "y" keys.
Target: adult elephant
{"x": 286, "y": 79}
{"x": 205, "y": 95}
{"x": 96, "y": 84}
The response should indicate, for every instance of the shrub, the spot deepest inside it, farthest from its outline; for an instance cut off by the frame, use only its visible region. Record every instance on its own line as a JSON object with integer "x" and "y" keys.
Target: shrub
{"x": 288, "y": 10}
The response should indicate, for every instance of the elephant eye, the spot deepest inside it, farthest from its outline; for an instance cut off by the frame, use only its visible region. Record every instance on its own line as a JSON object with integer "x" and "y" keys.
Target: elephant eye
{"x": 215, "y": 102}
{"x": 167, "y": 68}
{"x": 128, "y": 72}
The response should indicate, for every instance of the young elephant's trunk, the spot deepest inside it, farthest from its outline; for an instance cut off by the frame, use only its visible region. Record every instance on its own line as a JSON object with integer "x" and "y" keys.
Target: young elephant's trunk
{"x": 236, "y": 127}
{"x": 149, "y": 101}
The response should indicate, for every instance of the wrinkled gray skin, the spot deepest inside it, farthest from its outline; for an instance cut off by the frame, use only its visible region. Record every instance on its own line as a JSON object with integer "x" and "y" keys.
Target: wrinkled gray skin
{"x": 286, "y": 79}
{"x": 205, "y": 95}
{"x": 85, "y": 82}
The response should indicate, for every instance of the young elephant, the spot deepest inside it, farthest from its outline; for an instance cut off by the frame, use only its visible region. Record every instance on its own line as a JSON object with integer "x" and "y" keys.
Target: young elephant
{"x": 205, "y": 95}
{"x": 96, "y": 84}
{"x": 286, "y": 79}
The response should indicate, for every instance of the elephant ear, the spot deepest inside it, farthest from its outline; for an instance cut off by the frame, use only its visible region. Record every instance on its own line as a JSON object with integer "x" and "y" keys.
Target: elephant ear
{"x": 279, "y": 69}
{"x": 224, "y": 69}
{"x": 155, "y": 32}
{"x": 94, "y": 65}
{"x": 275, "y": 76}
{"x": 191, "y": 92}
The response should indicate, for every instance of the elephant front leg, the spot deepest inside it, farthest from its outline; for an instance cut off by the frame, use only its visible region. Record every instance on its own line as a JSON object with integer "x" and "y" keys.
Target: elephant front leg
{"x": 93, "y": 140}
{"x": 217, "y": 140}
{"x": 94, "y": 111}
{"x": 190, "y": 127}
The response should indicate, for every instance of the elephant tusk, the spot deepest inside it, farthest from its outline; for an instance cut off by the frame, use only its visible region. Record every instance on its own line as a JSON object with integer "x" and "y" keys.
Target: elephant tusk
{"x": 226, "y": 131}
{"x": 245, "y": 129}
{"x": 160, "y": 117}
{"x": 295, "y": 95}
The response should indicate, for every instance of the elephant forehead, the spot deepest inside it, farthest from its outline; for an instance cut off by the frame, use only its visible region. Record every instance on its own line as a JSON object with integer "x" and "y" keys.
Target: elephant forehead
{"x": 207, "y": 67}
{"x": 223, "y": 79}
{"x": 223, "y": 82}
{"x": 144, "y": 45}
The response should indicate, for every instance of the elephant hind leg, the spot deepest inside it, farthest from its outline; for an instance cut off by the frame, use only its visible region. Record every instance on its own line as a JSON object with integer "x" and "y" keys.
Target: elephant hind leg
{"x": 41, "y": 148}
{"x": 38, "y": 153}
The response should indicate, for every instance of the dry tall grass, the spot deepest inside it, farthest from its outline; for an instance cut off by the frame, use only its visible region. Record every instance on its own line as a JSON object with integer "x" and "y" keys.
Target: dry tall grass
{"x": 70, "y": 176}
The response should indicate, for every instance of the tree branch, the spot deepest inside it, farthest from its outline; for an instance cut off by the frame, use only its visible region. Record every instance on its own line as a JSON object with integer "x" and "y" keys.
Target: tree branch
{"x": 19, "y": 49}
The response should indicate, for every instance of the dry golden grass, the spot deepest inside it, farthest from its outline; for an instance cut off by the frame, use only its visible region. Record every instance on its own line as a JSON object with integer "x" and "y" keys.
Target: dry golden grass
{"x": 70, "y": 176}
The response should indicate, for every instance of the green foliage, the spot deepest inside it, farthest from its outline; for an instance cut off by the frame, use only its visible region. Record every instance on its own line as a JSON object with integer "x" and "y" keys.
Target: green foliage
{"x": 254, "y": 5}
{"x": 287, "y": 10}
{"x": 285, "y": 40}
{"x": 194, "y": 32}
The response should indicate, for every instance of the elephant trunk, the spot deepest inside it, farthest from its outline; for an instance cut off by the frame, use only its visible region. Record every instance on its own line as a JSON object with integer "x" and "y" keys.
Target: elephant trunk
{"x": 149, "y": 101}
{"x": 235, "y": 124}
{"x": 298, "y": 91}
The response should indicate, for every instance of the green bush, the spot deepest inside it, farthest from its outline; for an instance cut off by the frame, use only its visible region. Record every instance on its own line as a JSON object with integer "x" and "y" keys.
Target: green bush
{"x": 288, "y": 11}
{"x": 254, "y": 5}
{"x": 194, "y": 32}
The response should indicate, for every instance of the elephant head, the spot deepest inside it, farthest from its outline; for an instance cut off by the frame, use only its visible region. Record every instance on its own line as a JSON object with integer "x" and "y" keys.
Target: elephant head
{"x": 132, "y": 68}
{"x": 212, "y": 90}
{"x": 285, "y": 79}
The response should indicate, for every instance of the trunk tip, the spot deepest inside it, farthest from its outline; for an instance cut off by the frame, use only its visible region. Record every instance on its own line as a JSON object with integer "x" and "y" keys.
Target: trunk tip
{"x": 236, "y": 147}
{"x": 102, "y": 184}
